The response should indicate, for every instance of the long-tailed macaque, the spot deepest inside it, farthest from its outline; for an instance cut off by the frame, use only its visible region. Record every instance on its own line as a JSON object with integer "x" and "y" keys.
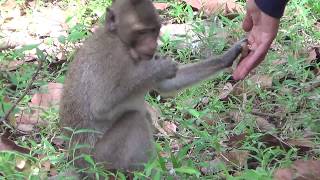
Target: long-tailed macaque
{"x": 109, "y": 77}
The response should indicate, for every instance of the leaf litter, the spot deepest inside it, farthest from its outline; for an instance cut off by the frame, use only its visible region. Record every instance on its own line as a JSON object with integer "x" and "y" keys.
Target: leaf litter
{"x": 235, "y": 158}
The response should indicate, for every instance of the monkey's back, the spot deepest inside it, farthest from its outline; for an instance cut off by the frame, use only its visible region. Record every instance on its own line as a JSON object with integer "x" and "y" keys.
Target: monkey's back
{"x": 93, "y": 72}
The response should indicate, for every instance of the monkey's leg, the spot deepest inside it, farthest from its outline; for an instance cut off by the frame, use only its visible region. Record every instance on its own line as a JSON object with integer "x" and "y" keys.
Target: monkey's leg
{"x": 190, "y": 74}
{"x": 127, "y": 145}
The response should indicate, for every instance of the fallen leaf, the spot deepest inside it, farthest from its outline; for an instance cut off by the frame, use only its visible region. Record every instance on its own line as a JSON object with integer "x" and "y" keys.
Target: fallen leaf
{"x": 160, "y": 6}
{"x": 14, "y": 65}
{"x": 311, "y": 86}
{"x": 271, "y": 141}
{"x": 58, "y": 141}
{"x": 240, "y": 88}
{"x": 197, "y": 4}
{"x": 169, "y": 127}
{"x": 26, "y": 121}
{"x": 228, "y": 8}
{"x": 154, "y": 116}
{"x": 314, "y": 54}
{"x": 176, "y": 146}
{"x": 61, "y": 56}
{"x": 283, "y": 174}
{"x": 8, "y": 5}
{"x": 300, "y": 170}
{"x": 225, "y": 91}
{"x": 213, "y": 167}
{"x": 263, "y": 124}
{"x": 20, "y": 164}
{"x": 236, "y": 116}
{"x": 6, "y": 105}
{"x": 236, "y": 158}
{"x": 264, "y": 81}
{"x": 302, "y": 144}
{"x": 50, "y": 96}
{"x": 236, "y": 141}
{"x": 8, "y": 145}
{"x": 46, "y": 165}
{"x": 53, "y": 172}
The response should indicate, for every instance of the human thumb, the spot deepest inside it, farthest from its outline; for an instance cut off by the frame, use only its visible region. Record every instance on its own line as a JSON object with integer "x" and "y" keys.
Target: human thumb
{"x": 247, "y": 22}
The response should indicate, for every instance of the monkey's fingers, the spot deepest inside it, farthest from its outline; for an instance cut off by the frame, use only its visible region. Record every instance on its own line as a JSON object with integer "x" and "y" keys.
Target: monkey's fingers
{"x": 245, "y": 49}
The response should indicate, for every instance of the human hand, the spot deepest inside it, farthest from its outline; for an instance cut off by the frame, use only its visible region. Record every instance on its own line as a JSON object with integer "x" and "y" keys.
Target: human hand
{"x": 262, "y": 30}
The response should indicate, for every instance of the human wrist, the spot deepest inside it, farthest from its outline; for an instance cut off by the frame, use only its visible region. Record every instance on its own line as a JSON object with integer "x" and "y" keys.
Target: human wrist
{"x": 273, "y": 8}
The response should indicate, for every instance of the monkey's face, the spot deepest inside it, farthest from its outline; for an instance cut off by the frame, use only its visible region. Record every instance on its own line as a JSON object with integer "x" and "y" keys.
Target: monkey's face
{"x": 145, "y": 42}
{"x": 137, "y": 24}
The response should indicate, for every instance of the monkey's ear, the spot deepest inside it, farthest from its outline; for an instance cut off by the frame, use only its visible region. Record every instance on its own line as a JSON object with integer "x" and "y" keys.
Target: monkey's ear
{"x": 110, "y": 20}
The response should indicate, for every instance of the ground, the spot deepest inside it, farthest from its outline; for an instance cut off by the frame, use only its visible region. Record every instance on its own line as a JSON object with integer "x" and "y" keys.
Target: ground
{"x": 264, "y": 127}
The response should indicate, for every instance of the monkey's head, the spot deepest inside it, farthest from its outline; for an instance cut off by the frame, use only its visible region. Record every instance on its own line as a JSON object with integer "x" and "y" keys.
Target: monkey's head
{"x": 137, "y": 25}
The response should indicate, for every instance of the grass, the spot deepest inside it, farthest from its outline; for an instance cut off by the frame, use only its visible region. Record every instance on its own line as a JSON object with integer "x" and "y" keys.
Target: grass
{"x": 204, "y": 126}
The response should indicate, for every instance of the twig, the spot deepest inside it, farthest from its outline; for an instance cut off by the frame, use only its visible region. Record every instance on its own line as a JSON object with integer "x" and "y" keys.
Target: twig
{"x": 254, "y": 112}
{"x": 33, "y": 78}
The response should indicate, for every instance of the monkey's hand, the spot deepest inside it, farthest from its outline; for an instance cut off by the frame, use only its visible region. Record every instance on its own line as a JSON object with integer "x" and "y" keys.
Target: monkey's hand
{"x": 166, "y": 69}
{"x": 232, "y": 54}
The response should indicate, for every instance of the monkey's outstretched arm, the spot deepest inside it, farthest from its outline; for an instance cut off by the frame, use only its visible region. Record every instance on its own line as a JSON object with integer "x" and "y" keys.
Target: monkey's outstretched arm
{"x": 190, "y": 74}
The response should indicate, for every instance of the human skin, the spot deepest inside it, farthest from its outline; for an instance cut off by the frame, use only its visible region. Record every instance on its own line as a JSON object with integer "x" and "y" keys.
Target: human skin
{"x": 261, "y": 31}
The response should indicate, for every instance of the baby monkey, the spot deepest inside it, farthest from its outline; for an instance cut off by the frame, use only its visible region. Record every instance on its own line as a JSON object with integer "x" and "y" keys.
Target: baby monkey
{"x": 109, "y": 78}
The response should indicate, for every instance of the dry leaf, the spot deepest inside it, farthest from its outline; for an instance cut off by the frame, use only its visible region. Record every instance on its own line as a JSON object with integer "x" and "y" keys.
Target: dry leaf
{"x": 226, "y": 7}
{"x": 21, "y": 164}
{"x": 61, "y": 56}
{"x": 176, "y": 146}
{"x": 213, "y": 167}
{"x": 263, "y": 124}
{"x": 58, "y": 141}
{"x": 8, "y": 5}
{"x": 8, "y": 145}
{"x": 271, "y": 140}
{"x": 160, "y": 6}
{"x": 264, "y": 81}
{"x": 25, "y": 121}
{"x": 14, "y": 65}
{"x": 283, "y": 174}
{"x": 50, "y": 97}
{"x": 169, "y": 127}
{"x": 302, "y": 144}
{"x": 155, "y": 115}
{"x": 236, "y": 141}
{"x": 236, "y": 116}
{"x": 197, "y": 4}
{"x": 300, "y": 170}
{"x": 225, "y": 91}
{"x": 314, "y": 54}
{"x": 235, "y": 158}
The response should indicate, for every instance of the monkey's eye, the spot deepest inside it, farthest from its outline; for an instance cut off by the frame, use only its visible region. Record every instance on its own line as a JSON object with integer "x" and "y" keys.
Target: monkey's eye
{"x": 153, "y": 30}
{"x": 146, "y": 31}
{"x": 142, "y": 31}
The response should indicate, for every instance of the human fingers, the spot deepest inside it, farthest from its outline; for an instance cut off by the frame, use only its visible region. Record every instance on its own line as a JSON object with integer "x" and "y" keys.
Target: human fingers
{"x": 250, "y": 62}
{"x": 247, "y": 23}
